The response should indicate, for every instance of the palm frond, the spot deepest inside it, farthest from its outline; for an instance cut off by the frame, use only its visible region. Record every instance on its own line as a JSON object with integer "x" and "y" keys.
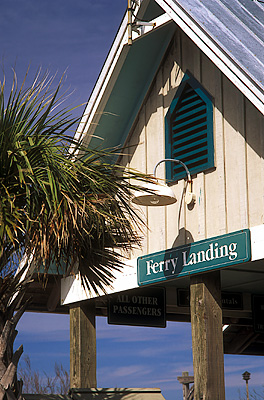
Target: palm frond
{"x": 65, "y": 206}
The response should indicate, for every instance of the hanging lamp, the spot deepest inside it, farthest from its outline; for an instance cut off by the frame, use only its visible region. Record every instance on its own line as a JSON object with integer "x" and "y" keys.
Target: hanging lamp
{"x": 157, "y": 194}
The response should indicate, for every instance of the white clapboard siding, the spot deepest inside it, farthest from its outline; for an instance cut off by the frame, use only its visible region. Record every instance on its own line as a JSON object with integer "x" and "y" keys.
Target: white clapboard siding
{"x": 255, "y": 164}
{"x": 137, "y": 161}
{"x": 235, "y": 157}
{"x": 211, "y": 79}
{"x": 229, "y": 196}
{"x": 155, "y": 152}
{"x": 172, "y": 77}
{"x": 195, "y": 216}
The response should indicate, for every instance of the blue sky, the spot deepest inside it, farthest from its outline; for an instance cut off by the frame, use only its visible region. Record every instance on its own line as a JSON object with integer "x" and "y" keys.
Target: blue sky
{"x": 75, "y": 36}
{"x": 130, "y": 356}
{"x": 59, "y": 35}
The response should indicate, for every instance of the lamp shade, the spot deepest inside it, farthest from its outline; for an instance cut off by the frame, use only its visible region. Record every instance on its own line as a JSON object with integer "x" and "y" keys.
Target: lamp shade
{"x": 154, "y": 195}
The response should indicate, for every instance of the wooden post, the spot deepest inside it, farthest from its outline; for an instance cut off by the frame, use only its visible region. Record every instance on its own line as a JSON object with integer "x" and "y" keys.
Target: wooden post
{"x": 207, "y": 336}
{"x": 83, "y": 346}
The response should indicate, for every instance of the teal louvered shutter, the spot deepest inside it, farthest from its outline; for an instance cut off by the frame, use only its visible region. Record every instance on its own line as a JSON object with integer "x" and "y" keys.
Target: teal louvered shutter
{"x": 189, "y": 130}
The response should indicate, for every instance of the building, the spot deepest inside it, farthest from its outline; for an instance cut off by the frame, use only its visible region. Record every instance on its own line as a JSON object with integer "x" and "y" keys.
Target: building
{"x": 186, "y": 83}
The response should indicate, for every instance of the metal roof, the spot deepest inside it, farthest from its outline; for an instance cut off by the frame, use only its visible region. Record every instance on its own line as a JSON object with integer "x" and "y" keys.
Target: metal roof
{"x": 231, "y": 34}
{"x": 238, "y": 28}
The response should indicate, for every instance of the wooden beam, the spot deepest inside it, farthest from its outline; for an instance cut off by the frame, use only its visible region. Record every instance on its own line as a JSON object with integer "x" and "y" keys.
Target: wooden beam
{"x": 83, "y": 346}
{"x": 241, "y": 340}
{"x": 207, "y": 336}
{"x": 54, "y": 296}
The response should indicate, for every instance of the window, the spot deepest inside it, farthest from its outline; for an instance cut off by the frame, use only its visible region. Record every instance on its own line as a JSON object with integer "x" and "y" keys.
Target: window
{"x": 189, "y": 130}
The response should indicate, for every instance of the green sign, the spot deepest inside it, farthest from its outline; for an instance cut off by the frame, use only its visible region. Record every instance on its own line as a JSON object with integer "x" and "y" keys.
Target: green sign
{"x": 139, "y": 307}
{"x": 205, "y": 255}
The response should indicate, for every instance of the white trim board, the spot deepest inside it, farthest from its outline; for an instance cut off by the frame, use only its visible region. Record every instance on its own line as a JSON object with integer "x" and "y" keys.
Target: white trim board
{"x": 72, "y": 290}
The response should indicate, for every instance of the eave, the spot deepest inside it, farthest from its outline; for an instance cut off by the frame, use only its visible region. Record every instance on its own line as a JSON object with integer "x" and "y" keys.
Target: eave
{"x": 123, "y": 83}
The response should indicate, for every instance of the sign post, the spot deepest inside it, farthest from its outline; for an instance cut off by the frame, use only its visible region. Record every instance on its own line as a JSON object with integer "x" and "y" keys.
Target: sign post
{"x": 207, "y": 336}
{"x": 83, "y": 341}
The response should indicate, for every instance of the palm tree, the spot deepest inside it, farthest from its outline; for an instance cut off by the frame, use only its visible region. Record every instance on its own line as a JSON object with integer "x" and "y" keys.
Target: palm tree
{"x": 60, "y": 203}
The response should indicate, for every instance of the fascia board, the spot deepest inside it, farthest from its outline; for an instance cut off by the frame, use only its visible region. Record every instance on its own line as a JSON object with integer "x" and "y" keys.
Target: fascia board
{"x": 72, "y": 290}
{"x": 102, "y": 80}
{"x": 214, "y": 52}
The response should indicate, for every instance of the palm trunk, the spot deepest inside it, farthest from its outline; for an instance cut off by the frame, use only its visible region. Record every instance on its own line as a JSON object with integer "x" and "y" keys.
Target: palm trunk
{"x": 10, "y": 313}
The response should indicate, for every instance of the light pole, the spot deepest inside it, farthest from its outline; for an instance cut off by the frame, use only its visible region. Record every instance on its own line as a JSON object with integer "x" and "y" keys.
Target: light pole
{"x": 246, "y": 377}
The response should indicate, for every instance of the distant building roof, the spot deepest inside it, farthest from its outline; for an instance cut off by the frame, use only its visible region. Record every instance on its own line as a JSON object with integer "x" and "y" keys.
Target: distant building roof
{"x": 102, "y": 394}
